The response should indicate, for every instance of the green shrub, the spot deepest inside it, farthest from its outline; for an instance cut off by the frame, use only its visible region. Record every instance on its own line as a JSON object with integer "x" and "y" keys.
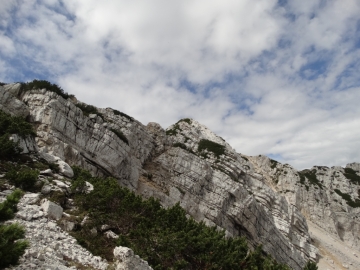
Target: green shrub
{"x": 8, "y": 207}
{"x": 180, "y": 145}
{"x": 166, "y": 238}
{"x": 311, "y": 176}
{"x": 183, "y": 146}
{"x": 348, "y": 199}
{"x": 12, "y": 125}
{"x": 41, "y": 84}
{"x": 24, "y": 178}
{"x": 176, "y": 128}
{"x": 120, "y": 135}
{"x": 15, "y": 125}
{"x": 352, "y": 176}
{"x": 310, "y": 266}
{"x": 8, "y": 148}
{"x": 215, "y": 148}
{"x": 11, "y": 247}
{"x": 116, "y": 112}
{"x": 186, "y": 120}
{"x": 274, "y": 163}
{"x": 87, "y": 109}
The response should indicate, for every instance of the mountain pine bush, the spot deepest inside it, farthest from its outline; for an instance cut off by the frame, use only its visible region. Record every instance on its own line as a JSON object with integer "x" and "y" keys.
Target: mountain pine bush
{"x": 11, "y": 247}
{"x": 166, "y": 238}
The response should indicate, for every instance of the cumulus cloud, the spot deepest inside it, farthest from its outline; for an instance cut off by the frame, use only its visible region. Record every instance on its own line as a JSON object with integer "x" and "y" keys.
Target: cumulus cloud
{"x": 271, "y": 77}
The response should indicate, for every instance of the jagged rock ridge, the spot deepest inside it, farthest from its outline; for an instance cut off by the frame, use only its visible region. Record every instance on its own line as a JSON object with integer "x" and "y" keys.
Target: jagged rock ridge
{"x": 229, "y": 190}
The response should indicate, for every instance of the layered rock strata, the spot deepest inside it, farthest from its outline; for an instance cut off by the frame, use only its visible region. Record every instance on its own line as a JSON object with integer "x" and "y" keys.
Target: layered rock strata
{"x": 322, "y": 194}
{"x": 247, "y": 196}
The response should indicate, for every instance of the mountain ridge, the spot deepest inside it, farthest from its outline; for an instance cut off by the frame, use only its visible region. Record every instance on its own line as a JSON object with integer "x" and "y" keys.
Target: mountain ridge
{"x": 187, "y": 163}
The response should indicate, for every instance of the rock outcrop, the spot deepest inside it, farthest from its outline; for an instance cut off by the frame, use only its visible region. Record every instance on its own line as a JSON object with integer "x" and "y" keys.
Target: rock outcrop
{"x": 188, "y": 163}
{"x": 323, "y": 195}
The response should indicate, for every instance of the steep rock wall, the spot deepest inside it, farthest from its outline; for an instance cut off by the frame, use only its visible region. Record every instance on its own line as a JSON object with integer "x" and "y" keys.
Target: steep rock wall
{"x": 314, "y": 193}
{"x": 224, "y": 190}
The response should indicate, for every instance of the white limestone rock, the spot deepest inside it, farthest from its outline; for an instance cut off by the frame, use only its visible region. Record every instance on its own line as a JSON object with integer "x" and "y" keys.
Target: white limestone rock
{"x": 9, "y": 103}
{"x": 52, "y": 210}
{"x": 127, "y": 260}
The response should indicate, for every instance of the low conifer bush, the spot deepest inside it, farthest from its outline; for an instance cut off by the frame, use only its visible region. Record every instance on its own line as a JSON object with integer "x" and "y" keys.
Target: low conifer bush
{"x": 166, "y": 238}
{"x": 11, "y": 244}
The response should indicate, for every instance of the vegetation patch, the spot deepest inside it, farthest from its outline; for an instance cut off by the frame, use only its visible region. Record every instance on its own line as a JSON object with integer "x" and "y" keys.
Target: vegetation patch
{"x": 274, "y": 163}
{"x": 176, "y": 128}
{"x": 87, "y": 109}
{"x": 352, "y": 176}
{"x": 186, "y": 120}
{"x": 116, "y": 112}
{"x": 12, "y": 125}
{"x": 215, "y": 148}
{"x": 41, "y": 84}
{"x": 348, "y": 199}
{"x": 165, "y": 238}
{"x": 183, "y": 146}
{"x": 22, "y": 177}
{"x": 11, "y": 245}
{"x": 311, "y": 176}
{"x": 120, "y": 135}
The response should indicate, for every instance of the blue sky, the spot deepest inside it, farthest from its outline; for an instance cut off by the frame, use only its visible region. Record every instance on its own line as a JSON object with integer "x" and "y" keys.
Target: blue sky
{"x": 278, "y": 78}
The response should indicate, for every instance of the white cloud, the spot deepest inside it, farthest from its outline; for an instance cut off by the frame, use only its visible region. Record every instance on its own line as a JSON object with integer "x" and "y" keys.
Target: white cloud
{"x": 264, "y": 77}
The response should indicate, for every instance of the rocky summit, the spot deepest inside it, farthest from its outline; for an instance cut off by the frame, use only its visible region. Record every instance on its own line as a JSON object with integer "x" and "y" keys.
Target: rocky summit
{"x": 253, "y": 196}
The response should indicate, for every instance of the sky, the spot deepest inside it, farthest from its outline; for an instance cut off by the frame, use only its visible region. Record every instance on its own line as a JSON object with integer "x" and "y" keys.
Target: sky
{"x": 279, "y": 78}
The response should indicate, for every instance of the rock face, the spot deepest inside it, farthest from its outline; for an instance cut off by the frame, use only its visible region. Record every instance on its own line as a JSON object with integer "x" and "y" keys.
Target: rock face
{"x": 187, "y": 163}
{"x": 127, "y": 260}
{"x": 322, "y": 194}
{"x": 50, "y": 246}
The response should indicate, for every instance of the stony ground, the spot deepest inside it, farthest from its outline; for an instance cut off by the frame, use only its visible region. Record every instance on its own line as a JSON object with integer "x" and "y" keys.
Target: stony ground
{"x": 333, "y": 253}
{"x": 50, "y": 247}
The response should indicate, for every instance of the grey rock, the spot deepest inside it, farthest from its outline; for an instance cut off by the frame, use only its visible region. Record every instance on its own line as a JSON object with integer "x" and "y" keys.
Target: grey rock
{"x": 111, "y": 234}
{"x": 47, "y": 172}
{"x": 127, "y": 260}
{"x": 52, "y": 210}
{"x": 9, "y": 103}
{"x": 46, "y": 189}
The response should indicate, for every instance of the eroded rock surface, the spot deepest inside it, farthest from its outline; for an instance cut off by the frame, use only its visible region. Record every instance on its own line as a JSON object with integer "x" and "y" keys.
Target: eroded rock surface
{"x": 317, "y": 194}
{"x": 244, "y": 195}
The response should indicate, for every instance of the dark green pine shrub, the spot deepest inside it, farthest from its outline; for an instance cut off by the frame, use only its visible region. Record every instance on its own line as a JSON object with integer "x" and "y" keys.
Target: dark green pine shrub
{"x": 274, "y": 163}
{"x": 11, "y": 247}
{"x": 352, "y": 176}
{"x": 41, "y": 84}
{"x": 348, "y": 199}
{"x": 120, "y": 135}
{"x": 176, "y": 128}
{"x": 211, "y": 146}
{"x": 116, "y": 112}
{"x": 311, "y": 176}
{"x": 166, "y": 238}
{"x": 22, "y": 177}
{"x": 12, "y": 125}
{"x": 310, "y": 266}
{"x": 15, "y": 125}
{"x": 8, "y": 207}
{"x": 87, "y": 109}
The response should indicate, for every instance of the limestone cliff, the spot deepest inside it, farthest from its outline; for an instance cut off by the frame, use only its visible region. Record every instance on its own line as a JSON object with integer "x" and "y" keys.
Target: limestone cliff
{"x": 189, "y": 164}
{"x": 329, "y": 197}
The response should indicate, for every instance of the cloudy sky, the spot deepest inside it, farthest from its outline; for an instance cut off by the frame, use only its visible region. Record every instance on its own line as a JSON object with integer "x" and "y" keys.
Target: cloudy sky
{"x": 279, "y": 78}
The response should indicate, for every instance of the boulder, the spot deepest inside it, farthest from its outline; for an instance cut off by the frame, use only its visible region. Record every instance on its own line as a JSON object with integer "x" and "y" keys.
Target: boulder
{"x": 125, "y": 259}
{"x": 52, "y": 210}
